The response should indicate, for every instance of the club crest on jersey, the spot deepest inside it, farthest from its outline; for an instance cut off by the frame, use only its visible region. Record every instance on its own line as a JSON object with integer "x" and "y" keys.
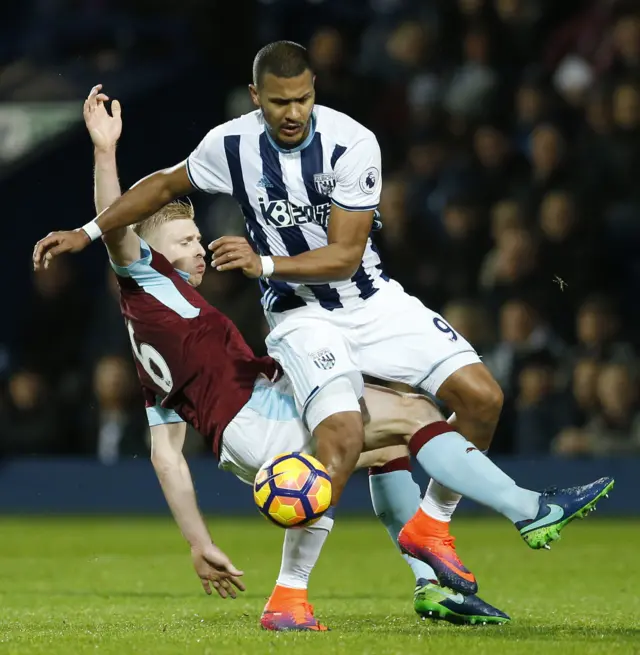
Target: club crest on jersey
{"x": 323, "y": 359}
{"x": 324, "y": 183}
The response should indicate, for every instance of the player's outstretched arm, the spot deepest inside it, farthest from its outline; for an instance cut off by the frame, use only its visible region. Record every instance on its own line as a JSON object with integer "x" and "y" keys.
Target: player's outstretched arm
{"x": 141, "y": 201}
{"x": 211, "y": 564}
{"x": 105, "y": 130}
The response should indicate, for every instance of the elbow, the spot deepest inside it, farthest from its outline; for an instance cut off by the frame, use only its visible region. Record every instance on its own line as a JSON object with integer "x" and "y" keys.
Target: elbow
{"x": 348, "y": 264}
{"x": 350, "y": 270}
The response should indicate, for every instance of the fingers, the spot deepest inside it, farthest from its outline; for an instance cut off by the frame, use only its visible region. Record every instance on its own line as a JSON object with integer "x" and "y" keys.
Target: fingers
{"x": 241, "y": 263}
{"x": 63, "y": 246}
{"x": 232, "y": 570}
{"x": 227, "y": 258}
{"x": 225, "y": 587}
{"x": 216, "y": 245}
{"x": 55, "y": 244}
{"x": 220, "y": 588}
{"x": 95, "y": 99}
{"x": 226, "y": 248}
{"x": 237, "y": 583}
{"x": 224, "y": 584}
{"x": 116, "y": 109}
{"x": 43, "y": 246}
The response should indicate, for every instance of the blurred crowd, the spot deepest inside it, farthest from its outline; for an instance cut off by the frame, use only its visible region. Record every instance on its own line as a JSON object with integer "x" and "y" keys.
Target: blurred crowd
{"x": 510, "y": 132}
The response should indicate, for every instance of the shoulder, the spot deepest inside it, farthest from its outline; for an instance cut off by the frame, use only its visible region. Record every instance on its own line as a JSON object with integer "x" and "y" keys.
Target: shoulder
{"x": 341, "y": 128}
{"x": 251, "y": 123}
{"x": 149, "y": 265}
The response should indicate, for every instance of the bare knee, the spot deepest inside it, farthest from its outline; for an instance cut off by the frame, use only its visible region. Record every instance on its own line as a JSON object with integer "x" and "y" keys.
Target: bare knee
{"x": 396, "y": 416}
{"x": 416, "y": 412}
{"x": 474, "y": 395}
{"x": 378, "y": 458}
{"x": 339, "y": 440}
{"x": 489, "y": 400}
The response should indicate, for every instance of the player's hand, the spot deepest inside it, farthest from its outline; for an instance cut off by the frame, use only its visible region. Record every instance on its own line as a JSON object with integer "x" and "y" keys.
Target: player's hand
{"x": 215, "y": 568}
{"x": 55, "y": 243}
{"x": 230, "y": 253}
{"x": 104, "y": 129}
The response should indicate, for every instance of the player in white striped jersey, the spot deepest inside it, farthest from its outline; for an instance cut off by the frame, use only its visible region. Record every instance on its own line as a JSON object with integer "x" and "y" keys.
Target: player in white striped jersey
{"x": 298, "y": 169}
{"x": 286, "y": 196}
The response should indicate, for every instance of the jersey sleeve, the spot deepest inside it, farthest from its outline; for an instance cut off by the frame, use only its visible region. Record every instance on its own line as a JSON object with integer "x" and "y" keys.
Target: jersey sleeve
{"x": 207, "y": 165}
{"x": 358, "y": 176}
{"x": 141, "y": 265}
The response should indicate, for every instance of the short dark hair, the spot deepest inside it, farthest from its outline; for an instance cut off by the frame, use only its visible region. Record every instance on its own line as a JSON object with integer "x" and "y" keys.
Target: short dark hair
{"x": 282, "y": 59}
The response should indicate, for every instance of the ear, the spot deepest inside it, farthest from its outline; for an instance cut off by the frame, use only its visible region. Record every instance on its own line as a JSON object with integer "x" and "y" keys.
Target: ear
{"x": 253, "y": 92}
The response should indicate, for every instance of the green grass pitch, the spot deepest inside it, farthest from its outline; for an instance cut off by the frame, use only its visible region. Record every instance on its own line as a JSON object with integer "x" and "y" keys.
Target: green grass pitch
{"x": 119, "y": 586}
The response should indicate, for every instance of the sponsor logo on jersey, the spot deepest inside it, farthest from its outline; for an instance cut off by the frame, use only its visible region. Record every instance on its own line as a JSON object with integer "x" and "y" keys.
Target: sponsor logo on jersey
{"x": 323, "y": 359}
{"x": 324, "y": 183}
{"x": 282, "y": 213}
{"x": 369, "y": 180}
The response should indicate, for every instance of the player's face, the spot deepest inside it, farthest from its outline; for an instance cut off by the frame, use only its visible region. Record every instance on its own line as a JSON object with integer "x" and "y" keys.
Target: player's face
{"x": 179, "y": 242}
{"x": 286, "y": 104}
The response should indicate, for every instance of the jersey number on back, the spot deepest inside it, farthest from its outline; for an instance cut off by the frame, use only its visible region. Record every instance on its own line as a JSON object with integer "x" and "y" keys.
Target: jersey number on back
{"x": 152, "y": 362}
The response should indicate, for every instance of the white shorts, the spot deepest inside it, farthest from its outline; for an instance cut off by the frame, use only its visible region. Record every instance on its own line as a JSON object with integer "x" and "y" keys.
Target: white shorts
{"x": 268, "y": 425}
{"x": 391, "y": 336}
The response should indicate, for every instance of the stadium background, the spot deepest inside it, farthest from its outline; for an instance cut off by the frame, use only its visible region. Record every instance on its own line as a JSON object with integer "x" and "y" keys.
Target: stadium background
{"x": 510, "y": 132}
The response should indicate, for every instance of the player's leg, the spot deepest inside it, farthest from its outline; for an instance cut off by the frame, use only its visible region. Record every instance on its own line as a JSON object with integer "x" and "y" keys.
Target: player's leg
{"x": 414, "y": 345}
{"x": 476, "y": 400}
{"x": 395, "y": 498}
{"x": 393, "y": 414}
{"x": 269, "y": 424}
{"x": 334, "y": 419}
{"x": 288, "y": 607}
{"x": 327, "y": 386}
{"x": 448, "y": 457}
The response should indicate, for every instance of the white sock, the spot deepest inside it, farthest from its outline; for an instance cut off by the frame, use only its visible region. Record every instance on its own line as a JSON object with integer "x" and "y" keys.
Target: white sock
{"x": 300, "y": 553}
{"x": 439, "y": 502}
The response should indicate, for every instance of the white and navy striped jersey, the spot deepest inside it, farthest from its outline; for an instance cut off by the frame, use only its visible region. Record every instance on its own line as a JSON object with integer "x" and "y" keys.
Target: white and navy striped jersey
{"x": 286, "y": 195}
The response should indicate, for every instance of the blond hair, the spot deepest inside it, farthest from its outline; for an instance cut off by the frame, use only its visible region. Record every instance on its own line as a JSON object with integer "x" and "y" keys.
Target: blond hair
{"x": 174, "y": 211}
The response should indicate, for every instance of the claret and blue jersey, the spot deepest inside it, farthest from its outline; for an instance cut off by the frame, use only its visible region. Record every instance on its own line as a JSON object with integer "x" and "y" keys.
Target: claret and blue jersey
{"x": 192, "y": 361}
{"x": 286, "y": 195}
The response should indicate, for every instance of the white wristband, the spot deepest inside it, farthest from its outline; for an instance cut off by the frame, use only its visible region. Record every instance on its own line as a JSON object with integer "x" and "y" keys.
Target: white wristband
{"x": 92, "y": 230}
{"x": 267, "y": 266}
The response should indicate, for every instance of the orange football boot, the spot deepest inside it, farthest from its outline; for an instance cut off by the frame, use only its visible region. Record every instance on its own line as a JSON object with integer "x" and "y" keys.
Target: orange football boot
{"x": 288, "y": 609}
{"x": 428, "y": 540}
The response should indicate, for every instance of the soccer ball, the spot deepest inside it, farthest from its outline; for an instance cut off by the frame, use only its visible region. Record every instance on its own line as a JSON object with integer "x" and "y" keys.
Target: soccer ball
{"x": 292, "y": 489}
